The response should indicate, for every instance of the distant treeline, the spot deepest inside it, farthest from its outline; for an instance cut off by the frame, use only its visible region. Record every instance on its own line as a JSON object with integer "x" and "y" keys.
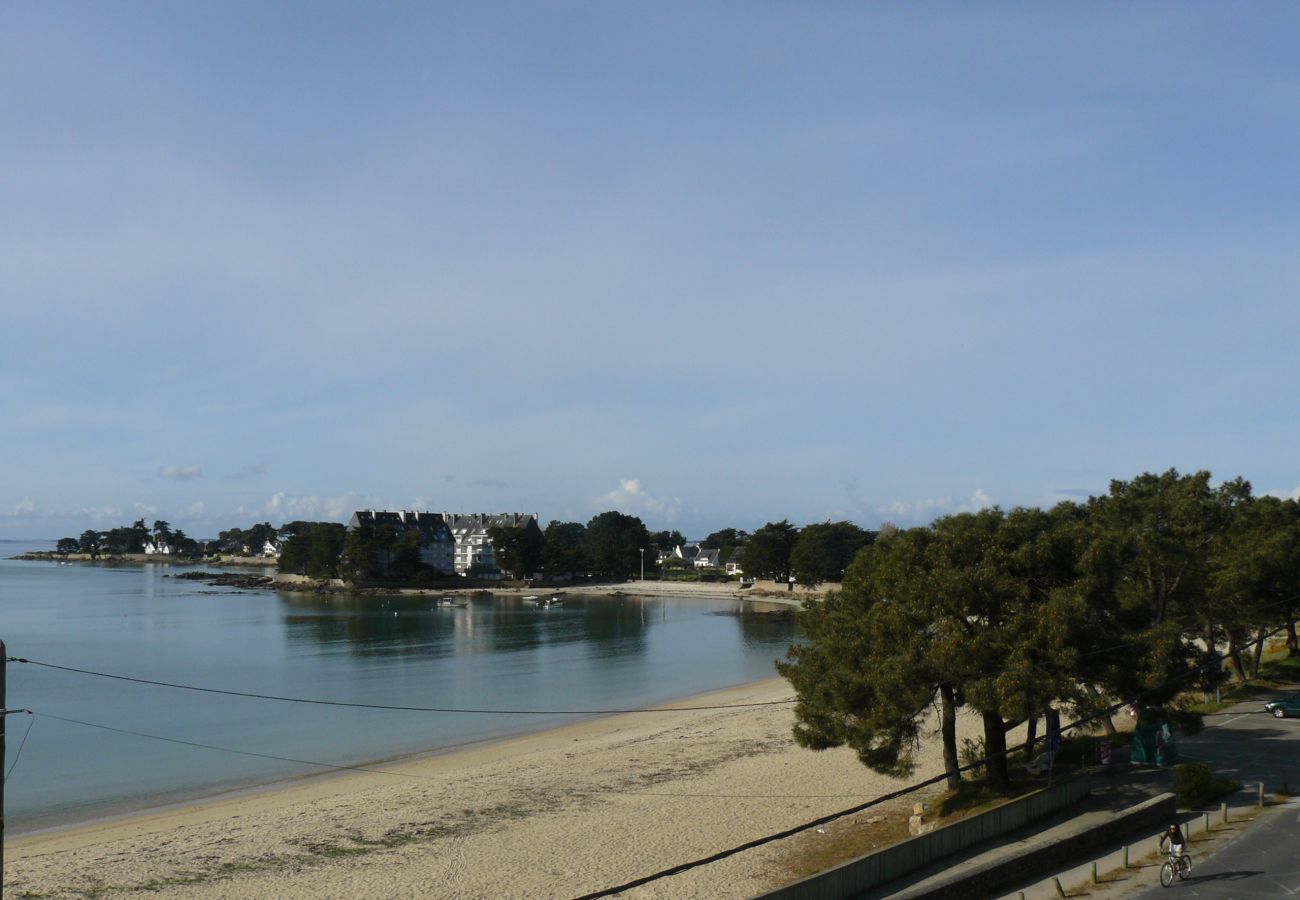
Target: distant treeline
{"x": 135, "y": 537}
{"x": 611, "y": 545}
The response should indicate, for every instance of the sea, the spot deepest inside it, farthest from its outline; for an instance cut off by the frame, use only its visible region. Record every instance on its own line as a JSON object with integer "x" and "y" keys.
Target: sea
{"x": 90, "y": 744}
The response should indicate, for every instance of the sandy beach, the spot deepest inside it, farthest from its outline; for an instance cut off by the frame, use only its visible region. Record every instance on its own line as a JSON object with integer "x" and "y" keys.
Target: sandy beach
{"x": 555, "y": 814}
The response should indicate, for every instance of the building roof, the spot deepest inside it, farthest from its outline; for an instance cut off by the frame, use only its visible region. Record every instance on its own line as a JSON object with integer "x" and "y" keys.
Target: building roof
{"x": 400, "y": 520}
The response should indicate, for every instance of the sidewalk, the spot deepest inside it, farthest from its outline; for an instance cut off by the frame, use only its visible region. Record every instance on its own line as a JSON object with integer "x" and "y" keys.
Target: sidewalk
{"x": 1242, "y": 742}
{"x": 1110, "y": 792}
{"x": 1144, "y": 856}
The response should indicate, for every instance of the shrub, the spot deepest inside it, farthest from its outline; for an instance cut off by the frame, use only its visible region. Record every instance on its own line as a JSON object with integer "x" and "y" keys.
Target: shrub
{"x": 1195, "y": 784}
{"x": 972, "y": 751}
{"x": 1186, "y": 721}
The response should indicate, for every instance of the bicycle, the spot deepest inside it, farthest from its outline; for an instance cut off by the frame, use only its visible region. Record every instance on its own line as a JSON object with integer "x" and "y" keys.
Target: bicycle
{"x": 1180, "y": 865}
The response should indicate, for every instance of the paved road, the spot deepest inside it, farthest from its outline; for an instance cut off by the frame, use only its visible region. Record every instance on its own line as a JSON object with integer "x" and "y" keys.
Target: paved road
{"x": 1245, "y": 743}
{"x": 1261, "y": 863}
{"x": 1248, "y": 744}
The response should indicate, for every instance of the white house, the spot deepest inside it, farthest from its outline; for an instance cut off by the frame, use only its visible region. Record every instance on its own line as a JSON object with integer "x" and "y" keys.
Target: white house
{"x": 474, "y": 554}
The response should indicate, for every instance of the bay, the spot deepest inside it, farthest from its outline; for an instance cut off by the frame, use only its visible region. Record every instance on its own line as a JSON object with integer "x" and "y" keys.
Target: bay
{"x": 594, "y": 653}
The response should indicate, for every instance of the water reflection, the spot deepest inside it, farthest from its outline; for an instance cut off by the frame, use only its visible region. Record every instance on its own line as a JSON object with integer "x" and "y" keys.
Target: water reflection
{"x": 498, "y": 653}
{"x": 490, "y": 623}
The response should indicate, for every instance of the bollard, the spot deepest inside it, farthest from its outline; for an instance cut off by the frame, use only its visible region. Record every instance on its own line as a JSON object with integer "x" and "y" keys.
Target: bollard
{"x": 1126, "y": 856}
{"x": 1060, "y": 891}
{"x": 1261, "y": 794}
{"x": 1094, "y": 873}
{"x": 1207, "y": 823}
{"x": 1223, "y": 811}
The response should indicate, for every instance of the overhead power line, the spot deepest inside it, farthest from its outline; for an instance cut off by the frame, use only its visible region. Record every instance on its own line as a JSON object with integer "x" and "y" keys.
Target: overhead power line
{"x": 400, "y": 708}
{"x": 584, "y": 792}
{"x": 1215, "y": 660}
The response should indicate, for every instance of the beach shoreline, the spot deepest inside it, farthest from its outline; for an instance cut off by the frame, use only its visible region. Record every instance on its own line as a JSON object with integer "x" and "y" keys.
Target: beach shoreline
{"x": 552, "y": 813}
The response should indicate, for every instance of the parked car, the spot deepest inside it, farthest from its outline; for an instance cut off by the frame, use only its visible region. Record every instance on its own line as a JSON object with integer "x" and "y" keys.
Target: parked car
{"x": 1287, "y": 706}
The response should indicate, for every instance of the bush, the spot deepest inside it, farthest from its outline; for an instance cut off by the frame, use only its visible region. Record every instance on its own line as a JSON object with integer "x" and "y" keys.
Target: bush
{"x": 1186, "y": 721}
{"x": 1195, "y": 784}
{"x": 972, "y": 751}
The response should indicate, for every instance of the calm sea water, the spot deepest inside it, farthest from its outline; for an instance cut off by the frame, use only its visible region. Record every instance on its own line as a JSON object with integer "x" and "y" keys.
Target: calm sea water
{"x": 594, "y": 653}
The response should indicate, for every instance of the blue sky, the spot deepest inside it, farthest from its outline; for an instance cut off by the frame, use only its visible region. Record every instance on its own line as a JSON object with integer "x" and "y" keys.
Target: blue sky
{"x": 710, "y": 264}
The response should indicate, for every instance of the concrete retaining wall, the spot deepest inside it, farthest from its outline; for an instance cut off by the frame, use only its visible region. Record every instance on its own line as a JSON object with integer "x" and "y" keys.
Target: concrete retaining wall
{"x": 866, "y": 872}
{"x": 1060, "y": 852}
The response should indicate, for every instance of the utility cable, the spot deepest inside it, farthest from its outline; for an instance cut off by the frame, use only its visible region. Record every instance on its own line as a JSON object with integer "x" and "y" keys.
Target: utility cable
{"x": 23, "y": 742}
{"x": 382, "y": 706}
{"x": 373, "y": 771}
{"x": 822, "y": 820}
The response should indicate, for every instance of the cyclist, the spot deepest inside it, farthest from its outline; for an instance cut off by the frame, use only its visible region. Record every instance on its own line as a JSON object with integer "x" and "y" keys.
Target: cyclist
{"x": 1177, "y": 845}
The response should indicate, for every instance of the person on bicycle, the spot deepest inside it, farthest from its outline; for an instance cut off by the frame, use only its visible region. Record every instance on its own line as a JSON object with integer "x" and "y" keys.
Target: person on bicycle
{"x": 1174, "y": 835}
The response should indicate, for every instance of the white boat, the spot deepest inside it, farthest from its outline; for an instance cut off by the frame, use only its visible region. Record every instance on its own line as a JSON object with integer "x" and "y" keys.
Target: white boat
{"x": 532, "y": 598}
{"x": 451, "y": 602}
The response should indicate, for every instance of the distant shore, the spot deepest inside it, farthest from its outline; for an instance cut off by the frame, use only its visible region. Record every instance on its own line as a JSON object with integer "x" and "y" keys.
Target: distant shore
{"x": 138, "y": 559}
{"x": 775, "y": 592}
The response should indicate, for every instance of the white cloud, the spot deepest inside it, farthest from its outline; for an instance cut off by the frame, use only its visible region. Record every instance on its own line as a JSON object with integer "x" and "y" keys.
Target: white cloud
{"x": 288, "y": 507}
{"x": 926, "y": 509}
{"x": 179, "y": 473}
{"x": 248, "y": 470}
{"x": 145, "y": 509}
{"x": 1293, "y": 494}
{"x": 25, "y": 509}
{"x": 101, "y": 513}
{"x": 196, "y": 509}
{"x": 631, "y": 498}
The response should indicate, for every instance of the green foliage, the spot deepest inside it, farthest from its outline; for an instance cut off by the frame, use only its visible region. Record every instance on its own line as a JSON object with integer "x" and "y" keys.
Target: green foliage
{"x": 359, "y": 562}
{"x": 1195, "y": 784}
{"x": 972, "y": 751}
{"x": 1284, "y": 670}
{"x": 823, "y": 551}
{"x": 767, "y": 552}
{"x": 67, "y": 545}
{"x": 518, "y": 551}
{"x": 1076, "y": 607}
{"x": 90, "y": 542}
{"x": 1185, "y": 721}
{"x": 312, "y": 548}
{"x": 667, "y": 540}
{"x": 725, "y": 541}
{"x": 614, "y": 542}
{"x": 565, "y": 552}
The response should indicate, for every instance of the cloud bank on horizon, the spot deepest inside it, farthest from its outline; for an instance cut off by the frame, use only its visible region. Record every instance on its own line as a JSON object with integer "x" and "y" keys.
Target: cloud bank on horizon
{"x": 713, "y": 267}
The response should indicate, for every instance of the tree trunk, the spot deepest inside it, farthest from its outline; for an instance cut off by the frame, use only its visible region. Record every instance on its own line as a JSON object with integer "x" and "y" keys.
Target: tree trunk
{"x": 1292, "y": 644}
{"x": 1234, "y": 658}
{"x": 1106, "y": 722}
{"x": 948, "y": 729}
{"x": 995, "y": 749}
{"x": 1258, "y": 653}
{"x": 1032, "y": 736}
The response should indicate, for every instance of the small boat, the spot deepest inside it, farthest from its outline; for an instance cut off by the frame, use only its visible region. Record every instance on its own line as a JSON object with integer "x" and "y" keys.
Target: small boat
{"x": 451, "y": 603}
{"x": 532, "y": 598}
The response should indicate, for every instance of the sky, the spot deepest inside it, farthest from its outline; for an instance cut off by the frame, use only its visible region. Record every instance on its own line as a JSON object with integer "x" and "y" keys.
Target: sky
{"x": 713, "y": 265}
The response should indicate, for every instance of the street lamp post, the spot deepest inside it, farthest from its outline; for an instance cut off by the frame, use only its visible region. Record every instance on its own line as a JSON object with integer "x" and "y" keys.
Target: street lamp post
{"x": 643, "y": 563}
